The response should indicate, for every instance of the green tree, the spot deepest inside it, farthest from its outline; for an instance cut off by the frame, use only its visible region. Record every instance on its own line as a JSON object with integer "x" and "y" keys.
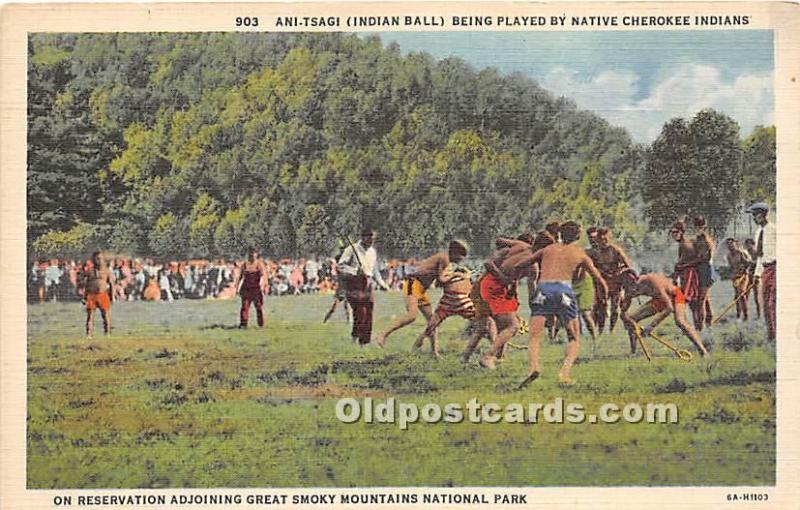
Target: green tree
{"x": 759, "y": 168}
{"x": 693, "y": 168}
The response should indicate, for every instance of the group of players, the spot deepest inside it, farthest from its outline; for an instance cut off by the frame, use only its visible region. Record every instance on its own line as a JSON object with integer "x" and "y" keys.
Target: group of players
{"x": 566, "y": 284}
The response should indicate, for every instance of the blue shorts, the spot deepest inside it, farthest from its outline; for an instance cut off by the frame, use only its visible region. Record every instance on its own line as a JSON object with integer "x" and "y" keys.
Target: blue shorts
{"x": 554, "y": 298}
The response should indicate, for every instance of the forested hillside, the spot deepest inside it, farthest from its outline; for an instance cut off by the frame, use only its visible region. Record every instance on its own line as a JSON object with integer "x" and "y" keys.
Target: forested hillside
{"x": 203, "y": 144}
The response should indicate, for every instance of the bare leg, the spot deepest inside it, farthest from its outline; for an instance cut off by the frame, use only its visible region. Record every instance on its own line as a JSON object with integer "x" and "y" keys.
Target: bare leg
{"x": 615, "y": 299}
{"x": 427, "y": 312}
{"x": 631, "y": 321}
{"x": 688, "y": 330}
{"x": 572, "y": 351}
{"x": 331, "y": 310}
{"x": 757, "y": 295}
{"x": 106, "y": 315}
{"x": 709, "y": 314}
{"x": 507, "y": 324}
{"x": 534, "y": 344}
{"x": 89, "y": 323}
{"x": 412, "y": 308}
{"x": 696, "y": 305}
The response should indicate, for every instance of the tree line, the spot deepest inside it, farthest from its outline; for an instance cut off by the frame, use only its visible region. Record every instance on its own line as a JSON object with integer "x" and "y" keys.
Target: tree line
{"x": 199, "y": 145}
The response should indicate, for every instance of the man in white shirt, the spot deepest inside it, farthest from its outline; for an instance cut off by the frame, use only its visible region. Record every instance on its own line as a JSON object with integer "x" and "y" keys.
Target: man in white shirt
{"x": 766, "y": 241}
{"x": 358, "y": 269}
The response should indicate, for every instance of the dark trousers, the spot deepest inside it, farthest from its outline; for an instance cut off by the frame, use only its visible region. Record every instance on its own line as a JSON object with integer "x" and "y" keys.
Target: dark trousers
{"x": 252, "y": 297}
{"x": 770, "y": 299}
{"x": 362, "y": 302}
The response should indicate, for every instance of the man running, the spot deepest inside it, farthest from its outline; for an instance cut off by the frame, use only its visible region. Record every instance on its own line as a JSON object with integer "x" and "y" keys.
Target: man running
{"x": 95, "y": 287}
{"x": 766, "y": 251}
{"x": 610, "y": 259}
{"x": 739, "y": 262}
{"x": 249, "y": 285}
{"x": 559, "y": 262}
{"x": 454, "y": 301}
{"x": 358, "y": 266}
{"x": 498, "y": 289}
{"x": 666, "y": 299}
{"x": 415, "y": 286}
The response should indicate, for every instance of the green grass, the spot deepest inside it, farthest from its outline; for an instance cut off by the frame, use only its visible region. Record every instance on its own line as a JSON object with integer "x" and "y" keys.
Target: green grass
{"x": 178, "y": 399}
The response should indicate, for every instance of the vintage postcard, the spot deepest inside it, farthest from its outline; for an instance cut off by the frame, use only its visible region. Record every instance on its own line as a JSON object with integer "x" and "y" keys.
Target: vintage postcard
{"x": 402, "y": 255}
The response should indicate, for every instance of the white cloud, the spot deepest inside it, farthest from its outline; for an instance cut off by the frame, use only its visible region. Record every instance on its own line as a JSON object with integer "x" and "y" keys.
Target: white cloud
{"x": 683, "y": 92}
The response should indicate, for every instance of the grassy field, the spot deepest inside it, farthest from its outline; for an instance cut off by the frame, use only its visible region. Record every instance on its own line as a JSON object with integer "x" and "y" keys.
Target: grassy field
{"x": 179, "y": 398}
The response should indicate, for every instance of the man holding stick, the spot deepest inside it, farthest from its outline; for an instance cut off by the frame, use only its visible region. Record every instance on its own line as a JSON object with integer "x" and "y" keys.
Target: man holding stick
{"x": 739, "y": 263}
{"x": 358, "y": 269}
{"x": 666, "y": 299}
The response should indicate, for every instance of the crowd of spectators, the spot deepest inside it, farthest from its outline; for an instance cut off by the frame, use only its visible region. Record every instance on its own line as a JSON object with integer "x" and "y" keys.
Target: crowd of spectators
{"x": 151, "y": 280}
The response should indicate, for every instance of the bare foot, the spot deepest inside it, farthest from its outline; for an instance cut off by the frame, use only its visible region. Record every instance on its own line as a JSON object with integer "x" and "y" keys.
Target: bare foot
{"x": 437, "y": 354}
{"x": 381, "y": 341}
{"x": 489, "y": 361}
{"x": 565, "y": 379}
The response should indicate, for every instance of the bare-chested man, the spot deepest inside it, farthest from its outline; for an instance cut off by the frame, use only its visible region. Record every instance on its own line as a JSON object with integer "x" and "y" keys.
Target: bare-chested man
{"x": 415, "y": 286}
{"x": 494, "y": 301}
{"x": 253, "y": 270}
{"x": 739, "y": 262}
{"x": 95, "y": 287}
{"x": 558, "y": 264}
{"x": 667, "y": 299}
{"x": 700, "y": 261}
{"x": 684, "y": 273}
{"x": 455, "y": 301}
{"x": 610, "y": 259}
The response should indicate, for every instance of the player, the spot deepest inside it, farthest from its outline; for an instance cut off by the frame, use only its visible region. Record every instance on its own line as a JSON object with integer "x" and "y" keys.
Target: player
{"x": 95, "y": 287}
{"x": 667, "y": 299}
{"x": 554, "y": 295}
{"x": 249, "y": 285}
{"x": 415, "y": 286}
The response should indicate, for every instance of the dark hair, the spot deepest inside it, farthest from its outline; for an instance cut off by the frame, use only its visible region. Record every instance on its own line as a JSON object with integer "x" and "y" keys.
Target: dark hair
{"x": 730, "y": 240}
{"x": 458, "y": 247}
{"x": 526, "y": 237}
{"x": 750, "y": 241}
{"x": 699, "y": 221}
{"x": 367, "y": 232}
{"x": 591, "y": 230}
{"x": 680, "y": 225}
{"x": 602, "y": 231}
{"x": 570, "y": 231}
{"x": 628, "y": 275}
{"x": 542, "y": 240}
{"x": 554, "y": 228}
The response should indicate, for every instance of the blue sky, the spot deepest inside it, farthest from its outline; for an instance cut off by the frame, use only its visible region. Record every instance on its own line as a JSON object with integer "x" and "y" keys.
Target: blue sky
{"x": 637, "y": 80}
